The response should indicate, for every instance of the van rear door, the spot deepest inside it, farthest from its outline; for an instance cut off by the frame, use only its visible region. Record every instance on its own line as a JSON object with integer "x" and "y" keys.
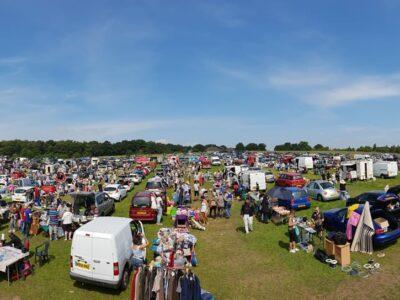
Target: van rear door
{"x": 103, "y": 258}
{"x": 81, "y": 252}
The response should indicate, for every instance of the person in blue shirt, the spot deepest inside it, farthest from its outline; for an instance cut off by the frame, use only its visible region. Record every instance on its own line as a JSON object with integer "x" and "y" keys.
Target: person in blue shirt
{"x": 28, "y": 219}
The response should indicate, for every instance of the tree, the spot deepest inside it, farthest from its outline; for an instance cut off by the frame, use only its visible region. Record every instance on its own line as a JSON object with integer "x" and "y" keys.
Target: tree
{"x": 252, "y": 147}
{"x": 199, "y": 148}
{"x": 239, "y": 147}
{"x": 262, "y": 147}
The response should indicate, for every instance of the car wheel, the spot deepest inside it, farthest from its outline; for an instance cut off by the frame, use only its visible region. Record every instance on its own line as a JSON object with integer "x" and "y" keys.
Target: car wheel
{"x": 113, "y": 209}
{"x": 319, "y": 198}
{"x": 125, "y": 279}
{"x": 382, "y": 176}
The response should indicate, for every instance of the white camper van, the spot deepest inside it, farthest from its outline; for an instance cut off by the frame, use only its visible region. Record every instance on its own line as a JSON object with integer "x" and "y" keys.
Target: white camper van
{"x": 101, "y": 251}
{"x": 304, "y": 162}
{"x": 385, "y": 169}
{"x": 250, "y": 179}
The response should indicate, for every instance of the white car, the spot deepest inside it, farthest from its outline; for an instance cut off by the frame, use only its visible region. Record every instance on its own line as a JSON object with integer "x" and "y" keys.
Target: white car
{"x": 101, "y": 252}
{"x": 115, "y": 191}
{"x": 135, "y": 178}
{"x": 23, "y": 194}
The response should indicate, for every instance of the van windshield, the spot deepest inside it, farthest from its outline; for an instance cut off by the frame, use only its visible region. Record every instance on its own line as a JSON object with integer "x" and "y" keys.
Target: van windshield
{"x": 141, "y": 202}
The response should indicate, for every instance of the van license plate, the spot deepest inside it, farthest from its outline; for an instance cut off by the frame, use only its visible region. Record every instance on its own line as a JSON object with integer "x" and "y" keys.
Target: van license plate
{"x": 141, "y": 213}
{"x": 83, "y": 265}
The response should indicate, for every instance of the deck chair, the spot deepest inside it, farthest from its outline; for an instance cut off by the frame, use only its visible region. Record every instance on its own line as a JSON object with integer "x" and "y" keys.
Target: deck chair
{"x": 42, "y": 253}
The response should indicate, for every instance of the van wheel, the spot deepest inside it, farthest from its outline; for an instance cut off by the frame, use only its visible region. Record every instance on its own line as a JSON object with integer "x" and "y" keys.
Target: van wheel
{"x": 319, "y": 198}
{"x": 113, "y": 209}
{"x": 125, "y": 279}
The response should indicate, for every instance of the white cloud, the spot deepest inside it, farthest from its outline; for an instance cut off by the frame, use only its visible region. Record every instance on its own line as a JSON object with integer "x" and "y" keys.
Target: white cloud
{"x": 374, "y": 88}
{"x": 322, "y": 86}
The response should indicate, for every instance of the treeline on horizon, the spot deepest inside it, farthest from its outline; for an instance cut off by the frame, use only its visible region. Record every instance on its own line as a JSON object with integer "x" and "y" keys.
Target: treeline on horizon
{"x": 69, "y": 148}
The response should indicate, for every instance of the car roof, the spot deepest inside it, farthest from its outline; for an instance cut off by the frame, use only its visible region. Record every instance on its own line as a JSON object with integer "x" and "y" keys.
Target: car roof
{"x": 113, "y": 185}
{"x": 292, "y": 189}
{"x": 107, "y": 225}
{"x": 143, "y": 194}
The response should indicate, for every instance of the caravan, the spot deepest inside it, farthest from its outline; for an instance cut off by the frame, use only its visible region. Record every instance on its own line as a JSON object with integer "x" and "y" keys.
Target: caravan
{"x": 358, "y": 169}
{"x": 385, "y": 169}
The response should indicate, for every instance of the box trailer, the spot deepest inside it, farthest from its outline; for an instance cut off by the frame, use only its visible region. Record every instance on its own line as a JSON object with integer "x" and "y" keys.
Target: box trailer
{"x": 385, "y": 169}
{"x": 304, "y": 162}
{"x": 250, "y": 179}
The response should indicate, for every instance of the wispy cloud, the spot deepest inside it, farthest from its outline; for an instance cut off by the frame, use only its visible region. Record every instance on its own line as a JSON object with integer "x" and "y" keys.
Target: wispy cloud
{"x": 11, "y": 61}
{"x": 224, "y": 13}
{"x": 320, "y": 85}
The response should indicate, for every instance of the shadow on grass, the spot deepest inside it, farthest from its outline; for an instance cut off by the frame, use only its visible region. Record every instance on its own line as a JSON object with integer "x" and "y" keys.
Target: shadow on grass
{"x": 240, "y": 229}
{"x": 284, "y": 245}
{"x": 94, "y": 288}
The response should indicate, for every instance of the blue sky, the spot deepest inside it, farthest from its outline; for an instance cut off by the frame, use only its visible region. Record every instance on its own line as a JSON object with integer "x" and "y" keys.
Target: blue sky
{"x": 201, "y": 71}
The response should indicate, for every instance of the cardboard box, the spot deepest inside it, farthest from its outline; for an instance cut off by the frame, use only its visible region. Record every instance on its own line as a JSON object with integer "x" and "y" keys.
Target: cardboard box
{"x": 382, "y": 222}
{"x": 329, "y": 247}
{"x": 342, "y": 254}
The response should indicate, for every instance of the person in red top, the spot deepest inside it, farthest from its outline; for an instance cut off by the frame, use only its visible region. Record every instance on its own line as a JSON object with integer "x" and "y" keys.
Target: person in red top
{"x": 22, "y": 218}
{"x": 37, "y": 195}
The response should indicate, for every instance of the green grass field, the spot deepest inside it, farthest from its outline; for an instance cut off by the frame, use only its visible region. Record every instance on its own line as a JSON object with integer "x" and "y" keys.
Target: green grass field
{"x": 232, "y": 265}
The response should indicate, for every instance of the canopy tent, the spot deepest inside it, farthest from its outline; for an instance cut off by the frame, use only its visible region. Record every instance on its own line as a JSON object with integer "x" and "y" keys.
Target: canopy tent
{"x": 362, "y": 240}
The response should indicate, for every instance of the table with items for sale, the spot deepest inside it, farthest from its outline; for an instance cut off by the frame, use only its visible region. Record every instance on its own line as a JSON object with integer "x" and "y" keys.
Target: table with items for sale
{"x": 10, "y": 256}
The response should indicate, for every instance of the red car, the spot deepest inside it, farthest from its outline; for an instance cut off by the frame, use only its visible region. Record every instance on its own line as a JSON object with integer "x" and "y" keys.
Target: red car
{"x": 49, "y": 189}
{"x": 290, "y": 179}
{"x": 141, "y": 207}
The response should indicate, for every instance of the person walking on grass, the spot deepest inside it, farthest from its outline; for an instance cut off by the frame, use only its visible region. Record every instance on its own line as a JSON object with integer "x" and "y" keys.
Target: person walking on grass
{"x": 159, "y": 207}
{"x": 228, "y": 204}
{"x": 203, "y": 211}
{"x": 247, "y": 213}
{"x": 292, "y": 232}
{"x": 196, "y": 187}
{"x": 221, "y": 204}
{"x": 213, "y": 206}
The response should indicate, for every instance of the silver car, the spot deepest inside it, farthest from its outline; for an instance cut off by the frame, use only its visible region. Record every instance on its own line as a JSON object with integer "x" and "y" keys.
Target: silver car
{"x": 322, "y": 190}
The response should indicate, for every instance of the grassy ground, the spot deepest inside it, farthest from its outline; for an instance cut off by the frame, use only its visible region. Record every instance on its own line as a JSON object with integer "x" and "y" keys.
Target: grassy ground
{"x": 233, "y": 265}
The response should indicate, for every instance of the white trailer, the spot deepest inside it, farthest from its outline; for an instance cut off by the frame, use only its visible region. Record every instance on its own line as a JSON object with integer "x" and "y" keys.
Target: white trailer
{"x": 385, "y": 169}
{"x": 250, "y": 180}
{"x": 358, "y": 169}
{"x": 304, "y": 162}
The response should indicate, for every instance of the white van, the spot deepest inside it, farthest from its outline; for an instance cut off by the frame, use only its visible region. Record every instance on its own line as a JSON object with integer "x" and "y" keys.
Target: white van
{"x": 215, "y": 161}
{"x": 385, "y": 169}
{"x": 101, "y": 251}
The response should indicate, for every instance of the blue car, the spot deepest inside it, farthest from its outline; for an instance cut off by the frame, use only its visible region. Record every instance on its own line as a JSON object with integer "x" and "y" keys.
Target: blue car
{"x": 290, "y": 197}
{"x": 336, "y": 220}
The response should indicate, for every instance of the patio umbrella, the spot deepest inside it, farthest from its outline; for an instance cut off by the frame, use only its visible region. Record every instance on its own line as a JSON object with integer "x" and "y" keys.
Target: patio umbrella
{"x": 362, "y": 241}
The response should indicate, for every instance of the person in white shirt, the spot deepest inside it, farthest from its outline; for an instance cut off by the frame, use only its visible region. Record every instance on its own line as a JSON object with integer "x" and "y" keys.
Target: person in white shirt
{"x": 67, "y": 223}
{"x": 159, "y": 205}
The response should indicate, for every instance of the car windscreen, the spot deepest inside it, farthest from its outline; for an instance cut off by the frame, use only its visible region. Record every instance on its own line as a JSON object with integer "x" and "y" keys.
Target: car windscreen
{"x": 297, "y": 177}
{"x": 20, "y": 191}
{"x": 153, "y": 185}
{"x": 141, "y": 202}
{"x": 110, "y": 189}
{"x": 326, "y": 185}
{"x": 299, "y": 194}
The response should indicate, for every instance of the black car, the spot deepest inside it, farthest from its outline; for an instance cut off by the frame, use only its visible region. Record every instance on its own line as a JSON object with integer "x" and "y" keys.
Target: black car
{"x": 374, "y": 198}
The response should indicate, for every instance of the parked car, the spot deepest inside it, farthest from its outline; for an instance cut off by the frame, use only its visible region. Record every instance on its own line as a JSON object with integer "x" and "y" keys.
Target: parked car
{"x": 23, "y": 194}
{"x": 140, "y": 208}
{"x": 290, "y": 197}
{"x": 115, "y": 191}
{"x": 135, "y": 178}
{"x": 82, "y": 203}
{"x": 374, "y": 198}
{"x": 290, "y": 179}
{"x": 269, "y": 177}
{"x": 322, "y": 190}
{"x": 336, "y": 220}
{"x": 101, "y": 252}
